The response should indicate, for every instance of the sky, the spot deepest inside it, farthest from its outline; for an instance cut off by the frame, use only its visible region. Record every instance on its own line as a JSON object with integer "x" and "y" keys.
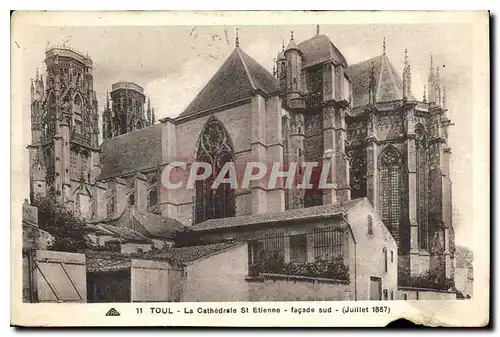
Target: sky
{"x": 173, "y": 63}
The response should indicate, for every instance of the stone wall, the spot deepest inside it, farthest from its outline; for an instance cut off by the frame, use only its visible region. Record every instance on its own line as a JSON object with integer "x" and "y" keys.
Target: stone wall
{"x": 216, "y": 278}
{"x": 293, "y": 288}
{"x": 370, "y": 251}
{"x": 404, "y": 293}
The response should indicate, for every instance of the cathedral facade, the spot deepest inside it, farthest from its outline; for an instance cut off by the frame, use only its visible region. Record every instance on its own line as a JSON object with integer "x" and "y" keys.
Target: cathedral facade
{"x": 380, "y": 142}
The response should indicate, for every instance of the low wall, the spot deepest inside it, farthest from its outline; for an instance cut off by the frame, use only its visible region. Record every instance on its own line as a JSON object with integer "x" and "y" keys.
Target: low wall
{"x": 407, "y": 293}
{"x": 272, "y": 287}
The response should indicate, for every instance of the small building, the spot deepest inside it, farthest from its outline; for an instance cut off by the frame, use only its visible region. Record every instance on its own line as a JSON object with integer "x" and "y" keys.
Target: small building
{"x": 135, "y": 231}
{"x": 199, "y": 273}
{"x": 119, "y": 239}
{"x": 333, "y": 252}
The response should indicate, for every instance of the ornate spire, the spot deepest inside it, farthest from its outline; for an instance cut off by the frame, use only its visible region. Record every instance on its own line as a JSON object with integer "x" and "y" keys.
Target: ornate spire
{"x": 291, "y": 44}
{"x": 237, "y": 39}
{"x": 406, "y": 77}
{"x": 282, "y": 44}
{"x": 107, "y": 100}
{"x": 424, "y": 98}
{"x": 274, "y": 67}
{"x": 317, "y": 29}
{"x": 383, "y": 46}
{"x": 437, "y": 98}
{"x": 153, "y": 119}
{"x": 431, "y": 82}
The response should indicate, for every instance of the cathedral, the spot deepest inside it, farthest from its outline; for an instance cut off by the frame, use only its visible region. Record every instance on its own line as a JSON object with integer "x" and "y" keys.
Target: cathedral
{"x": 383, "y": 145}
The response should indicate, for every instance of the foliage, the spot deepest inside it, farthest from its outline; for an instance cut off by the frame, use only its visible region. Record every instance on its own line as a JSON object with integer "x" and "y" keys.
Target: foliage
{"x": 68, "y": 230}
{"x": 321, "y": 268}
{"x": 431, "y": 279}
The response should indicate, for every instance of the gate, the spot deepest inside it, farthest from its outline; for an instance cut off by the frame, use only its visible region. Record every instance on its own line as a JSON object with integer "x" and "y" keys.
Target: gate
{"x": 52, "y": 276}
{"x": 154, "y": 281}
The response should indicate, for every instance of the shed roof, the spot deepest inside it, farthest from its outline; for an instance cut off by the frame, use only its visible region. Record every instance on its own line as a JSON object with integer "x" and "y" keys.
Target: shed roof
{"x": 339, "y": 208}
{"x": 191, "y": 253}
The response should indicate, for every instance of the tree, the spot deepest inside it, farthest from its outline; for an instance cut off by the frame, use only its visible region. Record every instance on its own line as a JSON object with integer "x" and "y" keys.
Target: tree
{"x": 68, "y": 230}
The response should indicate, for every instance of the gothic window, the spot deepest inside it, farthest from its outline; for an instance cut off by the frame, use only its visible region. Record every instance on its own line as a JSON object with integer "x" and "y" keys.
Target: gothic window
{"x": 110, "y": 206}
{"x": 152, "y": 197}
{"x": 49, "y": 160}
{"x": 93, "y": 208}
{"x": 51, "y": 115}
{"x": 153, "y": 193}
{"x": 77, "y": 105}
{"x": 390, "y": 181}
{"x": 283, "y": 75}
{"x": 73, "y": 165}
{"x": 422, "y": 186}
{"x": 84, "y": 171}
{"x": 315, "y": 85}
{"x": 214, "y": 148}
{"x": 78, "y": 127}
{"x": 286, "y": 158}
{"x": 131, "y": 199}
{"x": 358, "y": 176}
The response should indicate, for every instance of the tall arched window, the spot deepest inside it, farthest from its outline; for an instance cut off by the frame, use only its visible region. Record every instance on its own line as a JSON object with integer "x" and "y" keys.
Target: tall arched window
{"x": 390, "y": 181}
{"x": 286, "y": 156}
{"x": 422, "y": 186}
{"x": 110, "y": 206}
{"x": 77, "y": 105}
{"x": 214, "y": 148}
{"x": 357, "y": 176}
{"x": 152, "y": 193}
{"x": 51, "y": 115}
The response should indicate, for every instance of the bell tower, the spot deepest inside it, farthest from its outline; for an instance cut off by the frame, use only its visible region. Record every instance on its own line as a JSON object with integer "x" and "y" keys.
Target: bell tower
{"x": 64, "y": 122}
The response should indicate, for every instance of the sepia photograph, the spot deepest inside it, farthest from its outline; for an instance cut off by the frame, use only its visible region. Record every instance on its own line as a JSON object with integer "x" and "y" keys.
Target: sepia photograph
{"x": 290, "y": 163}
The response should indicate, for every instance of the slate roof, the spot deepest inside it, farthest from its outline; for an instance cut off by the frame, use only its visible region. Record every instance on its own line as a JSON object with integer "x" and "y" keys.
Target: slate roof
{"x": 192, "y": 253}
{"x": 339, "y": 208}
{"x": 148, "y": 224}
{"x": 319, "y": 49}
{"x": 388, "y": 83}
{"x": 132, "y": 152}
{"x": 238, "y": 78}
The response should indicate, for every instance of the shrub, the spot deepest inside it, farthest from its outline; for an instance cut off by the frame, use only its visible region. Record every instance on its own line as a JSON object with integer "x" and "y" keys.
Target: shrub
{"x": 68, "y": 230}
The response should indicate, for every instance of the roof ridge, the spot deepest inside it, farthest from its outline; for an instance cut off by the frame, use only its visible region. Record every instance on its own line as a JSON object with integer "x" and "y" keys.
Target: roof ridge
{"x": 238, "y": 50}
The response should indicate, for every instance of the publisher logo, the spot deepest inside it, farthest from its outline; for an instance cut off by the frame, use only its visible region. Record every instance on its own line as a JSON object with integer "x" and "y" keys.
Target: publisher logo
{"x": 113, "y": 312}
